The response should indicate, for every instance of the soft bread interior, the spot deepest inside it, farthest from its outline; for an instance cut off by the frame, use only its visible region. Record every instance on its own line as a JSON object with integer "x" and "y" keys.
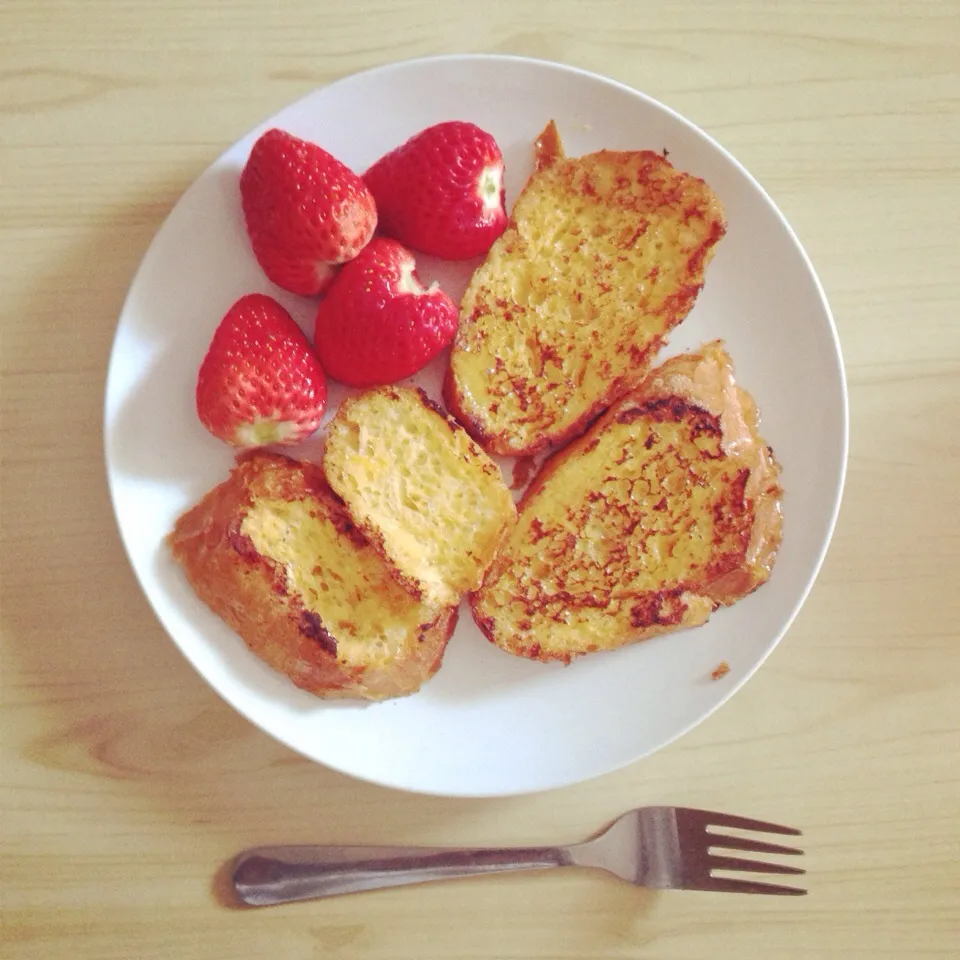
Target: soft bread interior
{"x": 424, "y": 493}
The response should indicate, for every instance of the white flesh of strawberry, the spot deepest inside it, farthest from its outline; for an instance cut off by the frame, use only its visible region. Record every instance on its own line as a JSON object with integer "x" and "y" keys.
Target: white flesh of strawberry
{"x": 489, "y": 187}
{"x": 264, "y": 432}
{"x": 408, "y": 283}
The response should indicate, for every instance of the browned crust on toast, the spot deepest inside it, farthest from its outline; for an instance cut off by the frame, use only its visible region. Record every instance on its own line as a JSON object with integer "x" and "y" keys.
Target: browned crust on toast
{"x": 535, "y": 614}
{"x": 543, "y": 386}
{"x": 252, "y": 594}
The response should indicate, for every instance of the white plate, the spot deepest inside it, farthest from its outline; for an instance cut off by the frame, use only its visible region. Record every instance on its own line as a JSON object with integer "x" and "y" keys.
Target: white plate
{"x": 488, "y": 724}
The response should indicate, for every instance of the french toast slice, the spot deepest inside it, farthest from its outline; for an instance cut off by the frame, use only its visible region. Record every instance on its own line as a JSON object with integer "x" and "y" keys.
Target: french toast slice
{"x": 426, "y": 496}
{"x": 668, "y": 507}
{"x": 603, "y": 255}
{"x": 272, "y": 551}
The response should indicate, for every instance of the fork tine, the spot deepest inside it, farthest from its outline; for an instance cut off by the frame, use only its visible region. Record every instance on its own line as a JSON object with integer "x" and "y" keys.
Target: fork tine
{"x": 743, "y": 823}
{"x": 754, "y": 846}
{"x": 727, "y": 885}
{"x": 751, "y": 866}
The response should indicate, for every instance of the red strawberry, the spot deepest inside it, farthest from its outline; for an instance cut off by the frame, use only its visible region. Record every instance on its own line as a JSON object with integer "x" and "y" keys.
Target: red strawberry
{"x": 260, "y": 382}
{"x": 377, "y": 323}
{"x": 305, "y": 211}
{"x": 442, "y": 191}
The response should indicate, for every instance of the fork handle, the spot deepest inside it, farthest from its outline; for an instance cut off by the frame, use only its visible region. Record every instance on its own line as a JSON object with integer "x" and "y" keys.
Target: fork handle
{"x": 264, "y": 876}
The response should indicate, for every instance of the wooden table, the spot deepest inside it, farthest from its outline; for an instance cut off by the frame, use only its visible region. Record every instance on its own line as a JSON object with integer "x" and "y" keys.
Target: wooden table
{"x": 126, "y": 783}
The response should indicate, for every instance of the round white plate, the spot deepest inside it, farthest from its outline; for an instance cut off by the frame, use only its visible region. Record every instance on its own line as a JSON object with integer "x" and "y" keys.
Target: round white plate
{"x": 487, "y": 724}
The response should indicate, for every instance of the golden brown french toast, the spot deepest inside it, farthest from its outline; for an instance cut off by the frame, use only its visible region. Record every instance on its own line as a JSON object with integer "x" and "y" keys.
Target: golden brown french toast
{"x": 603, "y": 255}
{"x": 666, "y": 508}
{"x": 273, "y": 552}
{"x": 428, "y": 498}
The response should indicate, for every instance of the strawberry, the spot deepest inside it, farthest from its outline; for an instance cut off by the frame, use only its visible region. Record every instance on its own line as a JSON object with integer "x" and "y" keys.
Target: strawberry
{"x": 377, "y": 323}
{"x": 442, "y": 191}
{"x": 305, "y": 211}
{"x": 260, "y": 382}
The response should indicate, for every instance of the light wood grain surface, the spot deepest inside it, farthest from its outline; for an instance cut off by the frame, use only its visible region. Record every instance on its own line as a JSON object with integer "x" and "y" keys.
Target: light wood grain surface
{"x": 126, "y": 783}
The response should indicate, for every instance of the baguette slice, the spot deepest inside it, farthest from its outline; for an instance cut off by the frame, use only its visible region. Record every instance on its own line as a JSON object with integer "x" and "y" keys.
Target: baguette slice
{"x": 272, "y": 551}
{"x": 604, "y": 254}
{"x": 426, "y": 496}
{"x": 668, "y": 507}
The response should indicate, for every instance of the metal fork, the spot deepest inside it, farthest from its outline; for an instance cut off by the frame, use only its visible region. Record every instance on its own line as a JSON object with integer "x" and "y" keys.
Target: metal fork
{"x": 661, "y": 847}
